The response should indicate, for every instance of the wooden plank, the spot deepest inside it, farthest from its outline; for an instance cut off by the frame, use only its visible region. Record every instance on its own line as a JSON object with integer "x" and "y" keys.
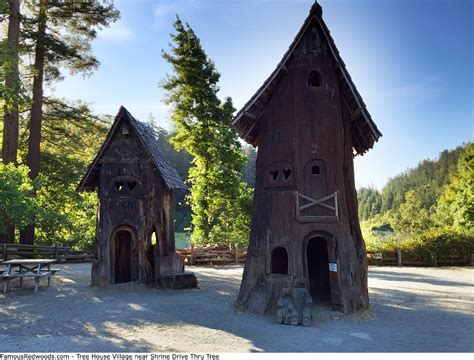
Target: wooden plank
{"x": 28, "y": 275}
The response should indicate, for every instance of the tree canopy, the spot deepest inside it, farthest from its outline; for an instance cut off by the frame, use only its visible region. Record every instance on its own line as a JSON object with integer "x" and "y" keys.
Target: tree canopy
{"x": 431, "y": 202}
{"x": 202, "y": 128}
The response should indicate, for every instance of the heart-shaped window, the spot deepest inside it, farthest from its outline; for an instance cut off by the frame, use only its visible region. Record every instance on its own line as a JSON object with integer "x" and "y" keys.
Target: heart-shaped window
{"x": 274, "y": 174}
{"x": 119, "y": 185}
{"x": 286, "y": 174}
{"x": 131, "y": 185}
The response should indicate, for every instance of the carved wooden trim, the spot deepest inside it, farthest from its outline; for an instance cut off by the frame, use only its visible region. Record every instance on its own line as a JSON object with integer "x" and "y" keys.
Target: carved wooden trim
{"x": 316, "y": 202}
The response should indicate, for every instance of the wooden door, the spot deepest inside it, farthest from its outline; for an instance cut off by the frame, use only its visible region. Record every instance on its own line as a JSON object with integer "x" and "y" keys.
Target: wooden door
{"x": 123, "y": 256}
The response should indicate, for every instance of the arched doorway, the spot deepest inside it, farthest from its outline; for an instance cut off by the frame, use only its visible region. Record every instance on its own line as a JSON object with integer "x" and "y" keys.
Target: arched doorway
{"x": 123, "y": 256}
{"x": 317, "y": 261}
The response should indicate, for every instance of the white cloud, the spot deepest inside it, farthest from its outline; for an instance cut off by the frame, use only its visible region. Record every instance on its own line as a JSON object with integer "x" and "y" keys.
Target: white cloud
{"x": 118, "y": 31}
{"x": 166, "y": 8}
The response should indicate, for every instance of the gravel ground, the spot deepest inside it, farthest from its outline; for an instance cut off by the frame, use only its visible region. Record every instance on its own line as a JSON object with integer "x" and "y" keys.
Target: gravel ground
{"x": 412, "y": 309}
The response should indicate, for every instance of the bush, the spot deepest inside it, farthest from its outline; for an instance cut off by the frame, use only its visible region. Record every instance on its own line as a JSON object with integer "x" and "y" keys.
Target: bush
{"x": 18, "y": 205}
{"x": 441, "y": 243}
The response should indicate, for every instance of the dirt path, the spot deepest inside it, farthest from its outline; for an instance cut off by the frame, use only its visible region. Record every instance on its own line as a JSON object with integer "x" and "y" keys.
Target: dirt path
{"x": 413, "y": 309}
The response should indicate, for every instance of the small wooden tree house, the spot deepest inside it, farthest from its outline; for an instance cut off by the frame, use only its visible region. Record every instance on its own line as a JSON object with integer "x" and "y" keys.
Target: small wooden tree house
{"x": 135, "y": 184}
{"x": 308, "y": 121}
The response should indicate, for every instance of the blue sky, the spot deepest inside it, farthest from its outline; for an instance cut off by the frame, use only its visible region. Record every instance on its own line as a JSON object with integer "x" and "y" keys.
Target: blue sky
{"x": 412, "y": 61}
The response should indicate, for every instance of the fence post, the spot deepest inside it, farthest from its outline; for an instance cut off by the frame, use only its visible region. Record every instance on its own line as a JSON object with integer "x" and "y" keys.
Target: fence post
{"x": 399, "y": 257}
{"x": 56, "y": 252}
{"x": 472, "y": 259}
{"x": 434, "y": 260}
{"x": 236, "y": 246}
{"x": 191, "y": 256}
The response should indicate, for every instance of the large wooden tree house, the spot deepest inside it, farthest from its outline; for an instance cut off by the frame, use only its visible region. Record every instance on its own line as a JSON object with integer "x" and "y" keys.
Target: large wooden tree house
{"x": 135, "y": 231}
{"x": 308, "y": 121}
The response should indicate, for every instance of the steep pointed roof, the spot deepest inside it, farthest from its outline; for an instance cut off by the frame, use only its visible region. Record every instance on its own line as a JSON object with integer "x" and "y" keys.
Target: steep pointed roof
{"x": 147, "y": 138}
{"x": 365, "y": 132}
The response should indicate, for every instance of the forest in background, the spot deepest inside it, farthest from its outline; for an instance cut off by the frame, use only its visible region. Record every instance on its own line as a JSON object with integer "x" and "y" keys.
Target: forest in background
{"x": 45, "y": 151}
{"x": 427, "y": 210}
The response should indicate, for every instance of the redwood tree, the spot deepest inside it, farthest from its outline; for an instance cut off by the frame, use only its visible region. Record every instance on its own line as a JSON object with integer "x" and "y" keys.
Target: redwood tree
{"x": 62, "y": 37}
{"x": 10, "y": 95}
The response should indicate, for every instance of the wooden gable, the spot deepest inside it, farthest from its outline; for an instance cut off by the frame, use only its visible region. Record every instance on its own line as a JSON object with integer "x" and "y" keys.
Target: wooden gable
{"x": 130, "y": 141}
{"x": 364, "y": 131}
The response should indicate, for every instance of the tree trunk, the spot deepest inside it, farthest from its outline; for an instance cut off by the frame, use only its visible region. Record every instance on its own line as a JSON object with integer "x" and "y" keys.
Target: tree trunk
{"x": 12, "y": 80}
{"x": 12, "y": 83}
{"x": 33, "y": 160}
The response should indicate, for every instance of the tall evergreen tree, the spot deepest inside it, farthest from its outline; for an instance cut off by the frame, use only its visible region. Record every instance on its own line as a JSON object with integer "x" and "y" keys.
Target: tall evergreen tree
{"x": 10, "y": 94}
{"x": 61, "y": 33}
{"x": 10, "y": 91}
{"x": 202, "y": 125}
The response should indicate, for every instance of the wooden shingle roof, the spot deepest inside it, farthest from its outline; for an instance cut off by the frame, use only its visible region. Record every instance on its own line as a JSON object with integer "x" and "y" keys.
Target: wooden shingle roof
{"x": 364, "y": 130}
{"x": 147, "y": 138}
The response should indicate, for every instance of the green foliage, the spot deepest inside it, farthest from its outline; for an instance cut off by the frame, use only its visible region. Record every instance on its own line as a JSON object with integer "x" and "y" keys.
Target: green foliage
{"x": 434, "y": 242}
{"x": 202, "y": 127}
{"x": 16, "y": 196}
{"x": 440, "y": 243}
{"x": 71, "y": 136}
{"x": 378, "y": 235}
{"x": 428, "y": 178}
{"x": 411, "y": 218}
{"x": 431, "y": 208}
{"x": 370, "y": 202}
{"x": 71, "y": 26}
{"x": 455, "y": 207}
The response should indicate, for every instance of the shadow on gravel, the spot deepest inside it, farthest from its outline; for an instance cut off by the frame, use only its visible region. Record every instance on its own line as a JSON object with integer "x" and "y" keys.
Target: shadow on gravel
{"x": 72, "y": 316}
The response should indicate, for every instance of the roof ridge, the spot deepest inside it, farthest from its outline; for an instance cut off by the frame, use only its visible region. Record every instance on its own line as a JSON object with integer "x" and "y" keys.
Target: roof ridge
{"x": 149, "y": 141}
{"x": 246, "y": 128}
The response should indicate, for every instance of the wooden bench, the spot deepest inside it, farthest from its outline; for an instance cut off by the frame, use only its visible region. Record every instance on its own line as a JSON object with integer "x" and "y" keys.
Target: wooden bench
{"x": 52, "y": 271}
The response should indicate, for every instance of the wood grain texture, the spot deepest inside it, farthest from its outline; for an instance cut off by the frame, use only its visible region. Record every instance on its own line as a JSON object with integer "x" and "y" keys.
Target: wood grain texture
{"x": 135, "y": 201}
{"x": 305, "y": 147}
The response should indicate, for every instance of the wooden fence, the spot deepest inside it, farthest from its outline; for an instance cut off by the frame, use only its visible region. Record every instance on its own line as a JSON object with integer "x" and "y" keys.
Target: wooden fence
{"x": 60, "y": 253}
{"x": 218, "y": 254}
{"x": 225, "y": 254}
{"x": 399, "y": 258}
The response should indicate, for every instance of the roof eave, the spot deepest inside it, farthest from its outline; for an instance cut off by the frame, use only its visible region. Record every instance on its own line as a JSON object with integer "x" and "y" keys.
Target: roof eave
{"x": 315, "y": 13}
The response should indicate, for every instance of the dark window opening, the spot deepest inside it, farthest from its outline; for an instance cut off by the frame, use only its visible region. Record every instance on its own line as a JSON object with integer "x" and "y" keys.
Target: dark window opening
{"x": 279, "y": 261}
{"x": 286, "y": 174}
{"x": 153, "y": 238}
{"x": 274, "y": 174}
{"x": 315, "y": 170}
{"x": 314, "y": 79}
{"x": 131, "y": 185}
{"x": 119, "y": 185}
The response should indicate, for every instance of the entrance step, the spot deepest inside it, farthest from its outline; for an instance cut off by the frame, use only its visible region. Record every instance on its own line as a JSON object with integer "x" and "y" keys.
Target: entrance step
{"x": 323, "y": 312}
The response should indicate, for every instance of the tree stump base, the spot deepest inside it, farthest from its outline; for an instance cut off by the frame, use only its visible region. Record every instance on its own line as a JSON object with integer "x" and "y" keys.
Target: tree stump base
{"x": 294, "y": 307}
{"x": 178, "y": 281}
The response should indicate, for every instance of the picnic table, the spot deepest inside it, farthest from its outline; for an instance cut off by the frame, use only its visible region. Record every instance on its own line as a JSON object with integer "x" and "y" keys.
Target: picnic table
{"x": 28, "y": 268}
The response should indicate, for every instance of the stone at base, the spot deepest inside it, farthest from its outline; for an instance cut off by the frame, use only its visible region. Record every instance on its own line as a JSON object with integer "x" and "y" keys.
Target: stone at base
{"x": 185, "y": 280}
